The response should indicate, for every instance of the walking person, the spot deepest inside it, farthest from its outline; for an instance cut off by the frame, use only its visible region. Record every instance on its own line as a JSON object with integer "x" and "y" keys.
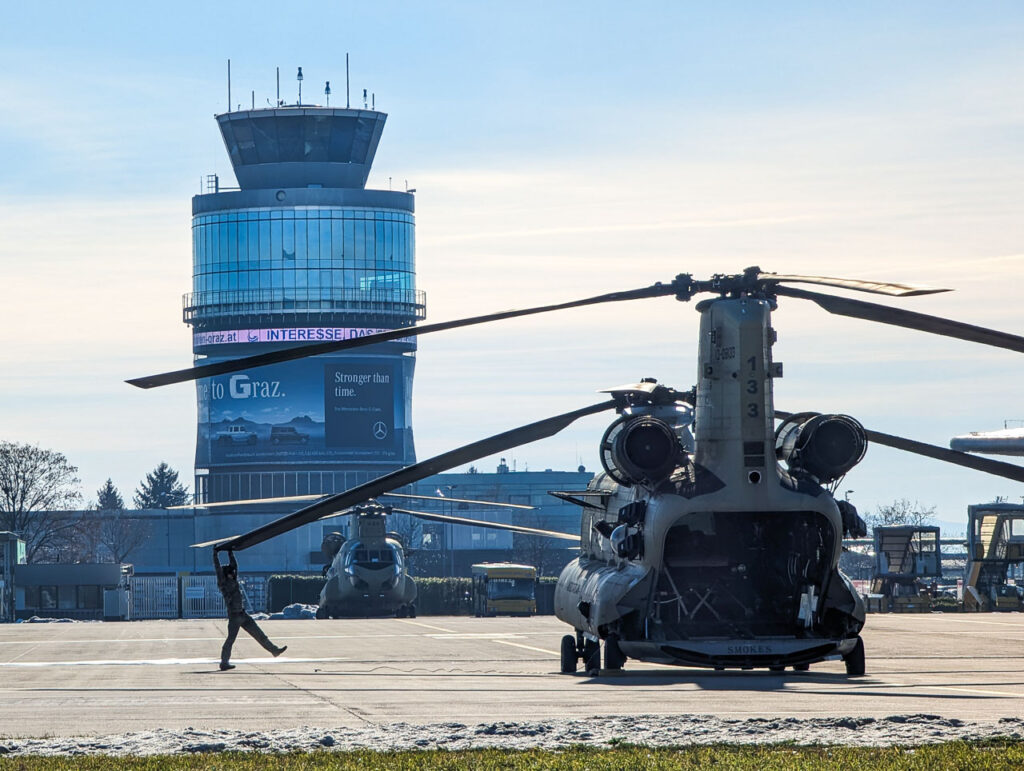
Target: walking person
{"x": 227, "y": 582}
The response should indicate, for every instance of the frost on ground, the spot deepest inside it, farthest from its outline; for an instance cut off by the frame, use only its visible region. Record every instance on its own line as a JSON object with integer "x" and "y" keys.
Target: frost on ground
{"x": 654, "y": 730}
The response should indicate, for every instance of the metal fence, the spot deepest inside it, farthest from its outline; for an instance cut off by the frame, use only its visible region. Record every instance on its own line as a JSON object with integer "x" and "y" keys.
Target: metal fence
{"x": 191, "y": 596}
{"x": 154, "y": 597}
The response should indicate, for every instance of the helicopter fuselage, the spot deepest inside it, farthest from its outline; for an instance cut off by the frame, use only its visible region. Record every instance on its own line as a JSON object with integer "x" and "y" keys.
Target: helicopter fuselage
{"x": 728, "y": 561}
{"x": 367, "y": 574}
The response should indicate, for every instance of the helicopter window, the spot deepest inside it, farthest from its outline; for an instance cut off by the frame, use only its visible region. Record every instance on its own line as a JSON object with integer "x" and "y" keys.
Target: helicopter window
{"x": 372, "y": 557}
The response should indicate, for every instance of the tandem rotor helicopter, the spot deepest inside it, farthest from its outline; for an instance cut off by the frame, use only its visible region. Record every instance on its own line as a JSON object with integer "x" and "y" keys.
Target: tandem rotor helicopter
{"x": 712, "y": 538}
{"x": 366, "y": 573}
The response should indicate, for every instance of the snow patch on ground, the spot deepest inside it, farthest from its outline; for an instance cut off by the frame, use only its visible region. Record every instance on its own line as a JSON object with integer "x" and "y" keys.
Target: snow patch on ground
{"x": 653, "y": 730}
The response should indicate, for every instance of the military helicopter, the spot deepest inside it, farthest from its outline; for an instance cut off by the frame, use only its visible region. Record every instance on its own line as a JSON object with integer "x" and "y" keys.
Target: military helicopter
{"x": 716, "y": 546}
{"x": 367, "y": 572}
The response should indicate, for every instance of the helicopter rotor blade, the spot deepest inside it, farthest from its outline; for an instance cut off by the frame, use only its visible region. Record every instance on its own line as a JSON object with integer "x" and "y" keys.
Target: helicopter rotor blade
{"x": 297, "y": 498}
{"x": 458, "y": 500}
{"x": 987, "y": 465}
{"x": 489, "y": 525}
{"x": 333, "y": 346}
{"x": 408, "y": 475}
{"x": 857, "y": 285}
{"x": 936, "y": 325}
{"x": 248, "y": 502}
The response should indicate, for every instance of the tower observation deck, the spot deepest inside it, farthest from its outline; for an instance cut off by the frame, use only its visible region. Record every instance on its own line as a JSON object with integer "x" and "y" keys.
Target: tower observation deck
{"x": 302, "y": 252}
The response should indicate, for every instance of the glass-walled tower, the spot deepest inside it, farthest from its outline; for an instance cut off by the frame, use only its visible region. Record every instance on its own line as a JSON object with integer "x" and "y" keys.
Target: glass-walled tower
{"x": 302, "y": 252}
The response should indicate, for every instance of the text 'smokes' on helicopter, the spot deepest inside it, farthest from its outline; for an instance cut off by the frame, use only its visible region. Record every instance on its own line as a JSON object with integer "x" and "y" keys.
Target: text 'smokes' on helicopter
{"x": 366, "y": 571}
{"x": 711, "y": 539}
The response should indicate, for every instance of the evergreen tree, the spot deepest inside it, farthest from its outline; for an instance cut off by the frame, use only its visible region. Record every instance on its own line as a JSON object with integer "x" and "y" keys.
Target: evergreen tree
{"x": 161, "y": 489}
{"x": 108, "y": 498}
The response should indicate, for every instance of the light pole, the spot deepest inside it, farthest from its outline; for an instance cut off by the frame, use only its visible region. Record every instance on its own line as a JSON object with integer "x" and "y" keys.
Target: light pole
{"x": 449, "y": 532}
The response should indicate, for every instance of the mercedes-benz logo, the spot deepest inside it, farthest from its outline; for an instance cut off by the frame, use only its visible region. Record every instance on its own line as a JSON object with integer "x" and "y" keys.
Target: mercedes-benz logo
{"x": 380, "y": 430}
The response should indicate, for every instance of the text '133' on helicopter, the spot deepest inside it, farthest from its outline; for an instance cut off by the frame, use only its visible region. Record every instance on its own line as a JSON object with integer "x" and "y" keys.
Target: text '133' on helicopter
{"x": 712, "y": 538}
{"x": 366, "y": 573}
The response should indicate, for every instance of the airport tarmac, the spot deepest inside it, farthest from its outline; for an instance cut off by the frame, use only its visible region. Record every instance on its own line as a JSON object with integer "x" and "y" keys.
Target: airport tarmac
{"x": 93, "y": 679}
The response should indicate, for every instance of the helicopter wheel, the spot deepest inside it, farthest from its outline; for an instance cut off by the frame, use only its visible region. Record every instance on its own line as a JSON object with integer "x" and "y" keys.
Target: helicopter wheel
{"x": 321, "y": 612}
{"x": 801, "y": 667}
{"x": 400, "y": 612}
{"x": 854, "y": 660}
{"x": 592, "y": 657}
{"x": 614, "y": 658}
{"x": 569, "y": 655}
{"x": 776, "y": 669}
{"x": 412, "y": 611}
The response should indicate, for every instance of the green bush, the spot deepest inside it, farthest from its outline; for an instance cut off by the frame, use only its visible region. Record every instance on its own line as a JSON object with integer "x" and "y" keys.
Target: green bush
{"x": 444, "y": 596}
{"x": 946, "y": 604}
{"x": 437, "y": 596}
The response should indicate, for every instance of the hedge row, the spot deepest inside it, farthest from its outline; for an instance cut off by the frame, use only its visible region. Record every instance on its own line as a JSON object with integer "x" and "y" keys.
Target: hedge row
{"x": 437, "y": 596}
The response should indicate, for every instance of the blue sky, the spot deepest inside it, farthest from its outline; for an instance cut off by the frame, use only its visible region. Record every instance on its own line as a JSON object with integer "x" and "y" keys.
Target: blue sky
{"x": 558, "y": 150}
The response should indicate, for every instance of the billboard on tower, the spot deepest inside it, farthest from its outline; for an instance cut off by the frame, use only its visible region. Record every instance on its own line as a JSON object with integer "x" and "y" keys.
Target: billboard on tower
{"x": 340, "y": 408}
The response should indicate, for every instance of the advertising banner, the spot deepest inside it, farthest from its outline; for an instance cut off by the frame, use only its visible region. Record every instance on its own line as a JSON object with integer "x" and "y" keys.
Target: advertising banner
{"x": 339, "y": 408}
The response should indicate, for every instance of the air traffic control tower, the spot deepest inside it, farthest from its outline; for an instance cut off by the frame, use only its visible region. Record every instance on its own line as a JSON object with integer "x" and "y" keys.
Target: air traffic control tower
{"x": 302, "y": 252}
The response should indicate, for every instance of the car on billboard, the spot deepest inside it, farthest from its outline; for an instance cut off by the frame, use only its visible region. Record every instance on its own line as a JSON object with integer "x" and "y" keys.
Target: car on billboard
{"x": 236, "y": 435}
{"x": 287, "y": 435}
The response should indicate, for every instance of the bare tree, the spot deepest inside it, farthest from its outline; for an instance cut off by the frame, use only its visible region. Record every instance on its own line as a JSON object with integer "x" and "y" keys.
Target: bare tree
{"x": 35, "y": 484}
{"x": 902, "y": 512}
{"x": 410, "y": 532}
{"x": 121, "y": 534}
{"x": 548, "y": 555}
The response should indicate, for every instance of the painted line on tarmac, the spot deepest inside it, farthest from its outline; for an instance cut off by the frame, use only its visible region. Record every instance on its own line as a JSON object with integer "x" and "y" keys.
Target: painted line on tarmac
{"x": 1004, "y": 694}
{"x": 428, "y": 626}
{"x": 527, "y": 647}
{"x": 62, "y": 641}
{"x": 989, "y": 623}
{"x": 478, "y": 636}
{"x": 159, "y": 662}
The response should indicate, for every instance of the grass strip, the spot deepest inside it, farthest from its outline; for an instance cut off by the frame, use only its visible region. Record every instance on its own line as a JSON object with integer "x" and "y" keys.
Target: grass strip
{"x": 976, "y": 756}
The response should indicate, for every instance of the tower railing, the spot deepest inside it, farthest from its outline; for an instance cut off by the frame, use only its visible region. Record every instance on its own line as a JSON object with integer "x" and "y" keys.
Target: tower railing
{"x": 198, "y": 306}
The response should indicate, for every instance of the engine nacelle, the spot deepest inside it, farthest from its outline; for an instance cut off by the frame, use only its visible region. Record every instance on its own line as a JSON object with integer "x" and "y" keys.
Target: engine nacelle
{"x": 824, "y": 446}
{"x": 331, "y": 545}
{"x": 638, "y": 449}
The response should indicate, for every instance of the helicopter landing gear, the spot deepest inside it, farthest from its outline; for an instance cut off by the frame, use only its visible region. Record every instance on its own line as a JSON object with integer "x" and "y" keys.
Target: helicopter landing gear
{"x": 403, "y": 611}
{"x": 592, "y": 657}
{"x": 854, "y": 660}
{"x": 801, "y": 667}
{"x": 412, "y": 611}
{"x": 614, "y": 658}
{"x": 576, "y": 648}
{"x": 321, "y": 612}
{"x": 569, "y": 656}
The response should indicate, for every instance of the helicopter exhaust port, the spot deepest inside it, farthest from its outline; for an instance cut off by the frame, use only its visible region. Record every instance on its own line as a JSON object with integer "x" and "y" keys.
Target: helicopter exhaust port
{"x": 824, "y": 446}
{"x": 638, "y": 449}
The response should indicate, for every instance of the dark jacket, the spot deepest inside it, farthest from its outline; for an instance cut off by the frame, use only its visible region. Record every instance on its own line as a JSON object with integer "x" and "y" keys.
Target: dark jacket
{"x": 228, "y": 585}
